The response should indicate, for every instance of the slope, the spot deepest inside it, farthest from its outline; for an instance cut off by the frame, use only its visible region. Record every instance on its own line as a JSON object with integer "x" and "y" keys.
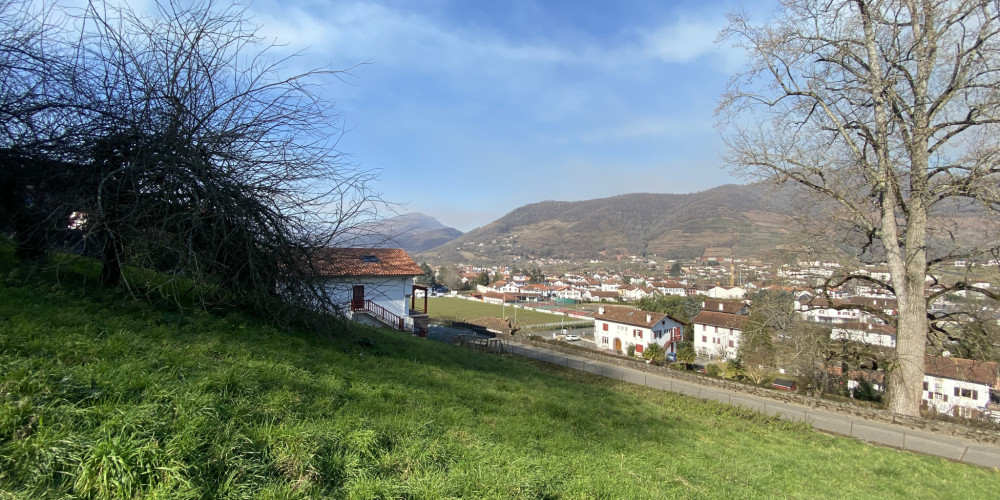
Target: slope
{"x": 102, "y": 396}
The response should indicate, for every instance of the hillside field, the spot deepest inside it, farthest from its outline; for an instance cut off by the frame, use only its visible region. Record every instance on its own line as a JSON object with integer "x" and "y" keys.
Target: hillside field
{"x": 103, "y": 396}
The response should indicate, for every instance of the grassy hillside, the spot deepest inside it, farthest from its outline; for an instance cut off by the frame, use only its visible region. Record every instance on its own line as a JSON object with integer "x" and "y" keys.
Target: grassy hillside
{"x": 112, "y": 398}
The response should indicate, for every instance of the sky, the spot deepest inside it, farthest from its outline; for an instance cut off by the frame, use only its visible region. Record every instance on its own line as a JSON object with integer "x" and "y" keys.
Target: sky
{"x": 470, "y": 109}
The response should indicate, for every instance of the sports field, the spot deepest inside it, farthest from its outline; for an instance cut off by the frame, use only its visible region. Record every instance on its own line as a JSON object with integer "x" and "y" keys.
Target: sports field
{"x": 455, "y": 309}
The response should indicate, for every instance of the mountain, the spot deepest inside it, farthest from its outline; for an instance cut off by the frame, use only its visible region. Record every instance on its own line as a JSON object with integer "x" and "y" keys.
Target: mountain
{"x": 726, "y": 220}
{"x": 416, "y": 232}
{"x": 735, "y": 220}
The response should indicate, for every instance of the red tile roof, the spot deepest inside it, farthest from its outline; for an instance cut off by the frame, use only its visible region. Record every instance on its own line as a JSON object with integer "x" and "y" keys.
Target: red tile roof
{"x": 726, "y": 306}
{"x": 725, "y": 320}
{"x": 630, "y": 316}
{"x": 969, "y": 370}
{"x": 342, "y": 262}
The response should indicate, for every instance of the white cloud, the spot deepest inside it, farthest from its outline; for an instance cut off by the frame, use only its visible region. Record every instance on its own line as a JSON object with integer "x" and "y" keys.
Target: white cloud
{"x": 681, "y": 42}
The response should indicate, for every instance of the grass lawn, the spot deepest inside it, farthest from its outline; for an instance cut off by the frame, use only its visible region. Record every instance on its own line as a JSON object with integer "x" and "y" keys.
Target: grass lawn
{"x": 114, "y": 398}
{"x": 455, "y": 309}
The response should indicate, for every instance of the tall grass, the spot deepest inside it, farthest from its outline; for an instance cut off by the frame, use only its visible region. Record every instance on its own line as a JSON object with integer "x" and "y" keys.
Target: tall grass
{"x": 106, "y": 397}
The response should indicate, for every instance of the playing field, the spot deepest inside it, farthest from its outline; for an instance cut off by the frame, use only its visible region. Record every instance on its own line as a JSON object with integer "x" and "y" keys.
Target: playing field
{"x": 455, "y": 309}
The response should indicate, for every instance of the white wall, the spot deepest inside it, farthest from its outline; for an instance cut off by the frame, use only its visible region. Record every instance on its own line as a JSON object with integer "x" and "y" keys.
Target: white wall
{"x": 938, "y": 387}
{"x": 390, "y": 293}
{"x": 627, "y": 334}
{"x": 864, "y": 336}
{"x": 715, "y": 337}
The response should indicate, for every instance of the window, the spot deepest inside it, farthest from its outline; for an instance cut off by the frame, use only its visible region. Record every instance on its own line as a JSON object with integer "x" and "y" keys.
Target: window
{"x": 730, "y": 343}
{"x": 925, "y": 385}
{"x": 369, "y": 259}
{"x": 604, "y": 340}
{"x": 716, "y": 329}
{"x": 967, "y": 393}
{"x": 704, "y": 338}
{"x": 604, "y": 326}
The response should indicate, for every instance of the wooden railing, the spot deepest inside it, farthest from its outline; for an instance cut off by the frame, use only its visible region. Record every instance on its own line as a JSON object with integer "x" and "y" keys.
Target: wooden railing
{"x": 386, "y": 316}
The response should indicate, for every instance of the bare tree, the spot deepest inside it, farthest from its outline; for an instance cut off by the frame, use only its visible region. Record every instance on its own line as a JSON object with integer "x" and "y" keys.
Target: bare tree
{"x": 190, "y": 150}
{"x": 206, "y": 162}
{"x": 37, "y": 122}
{"x": 888, "y": 110}
{"x": 810, "y": 353}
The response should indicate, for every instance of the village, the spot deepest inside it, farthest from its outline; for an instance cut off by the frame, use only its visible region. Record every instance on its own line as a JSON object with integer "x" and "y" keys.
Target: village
{"x": 713, "y": 307}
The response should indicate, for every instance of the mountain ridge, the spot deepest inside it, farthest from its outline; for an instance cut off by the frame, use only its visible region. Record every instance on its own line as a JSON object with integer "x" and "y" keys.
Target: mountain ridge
{"x": 663, "y": 224}
{"x": 416, "y": 232}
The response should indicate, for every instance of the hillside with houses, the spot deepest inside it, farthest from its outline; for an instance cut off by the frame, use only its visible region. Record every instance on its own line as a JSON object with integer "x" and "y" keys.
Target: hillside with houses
{"x": 830, "y": 340}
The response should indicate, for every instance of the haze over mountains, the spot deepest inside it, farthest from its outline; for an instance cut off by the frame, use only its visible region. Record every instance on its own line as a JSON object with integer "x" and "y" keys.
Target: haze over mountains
{"x": 416, "y": 232}
{"x": 729, "y": 218}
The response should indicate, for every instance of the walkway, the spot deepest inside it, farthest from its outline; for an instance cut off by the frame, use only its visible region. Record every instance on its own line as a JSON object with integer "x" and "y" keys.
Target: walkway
{"x": 950, "y": 447}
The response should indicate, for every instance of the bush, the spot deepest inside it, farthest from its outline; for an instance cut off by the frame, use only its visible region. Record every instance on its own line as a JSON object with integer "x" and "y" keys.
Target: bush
{"x": 712, "y": 370}
{"x": 654, "y": 353}
{"x": 865, "y": 391}
{"x": 630, "y": 350}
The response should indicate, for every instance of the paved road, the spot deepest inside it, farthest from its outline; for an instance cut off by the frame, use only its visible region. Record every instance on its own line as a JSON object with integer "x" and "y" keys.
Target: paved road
{"x": 949, "y": 447}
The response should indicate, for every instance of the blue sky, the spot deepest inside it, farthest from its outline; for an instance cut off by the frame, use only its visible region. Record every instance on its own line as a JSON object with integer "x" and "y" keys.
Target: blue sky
{"x": 471, "y": 109}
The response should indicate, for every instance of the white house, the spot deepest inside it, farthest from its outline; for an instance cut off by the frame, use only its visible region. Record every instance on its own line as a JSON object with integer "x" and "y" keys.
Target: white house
{"x": 599, "y": 296}
{"x": 720, "y": 292}
{"x": 867, "y": 333}
{"x": 617, "y": 327}
{"x": 633, "y": 292}
{"x": 717, "y": 333}
{"x": 369, "y": 284}
{"x": 570, "y": 293}
{"x": 672, "y": 288}
{"x": 505, "y": 287}
{"x": 959, "y": 387}
{"x": 838, "y": 311}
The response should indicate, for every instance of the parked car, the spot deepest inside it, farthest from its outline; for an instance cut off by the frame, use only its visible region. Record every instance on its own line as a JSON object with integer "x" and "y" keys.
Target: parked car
{"x": 571, "y": 337}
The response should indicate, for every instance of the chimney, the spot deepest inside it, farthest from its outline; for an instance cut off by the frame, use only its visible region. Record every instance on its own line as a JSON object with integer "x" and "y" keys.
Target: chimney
{"x": 721, "y": 306}
{"x": 600, "y": 310}
{"x": 649, "y": 318}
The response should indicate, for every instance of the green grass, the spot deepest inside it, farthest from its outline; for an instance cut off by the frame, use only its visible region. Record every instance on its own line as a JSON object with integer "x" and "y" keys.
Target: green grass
{"x": 113, "y": 398}
{"x": 455, "y": 309}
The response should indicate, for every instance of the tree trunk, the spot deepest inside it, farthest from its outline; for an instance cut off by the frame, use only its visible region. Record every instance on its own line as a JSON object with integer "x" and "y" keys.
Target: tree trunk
{"x": 907, "y": 373}
{"x": 111, "y": 265}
